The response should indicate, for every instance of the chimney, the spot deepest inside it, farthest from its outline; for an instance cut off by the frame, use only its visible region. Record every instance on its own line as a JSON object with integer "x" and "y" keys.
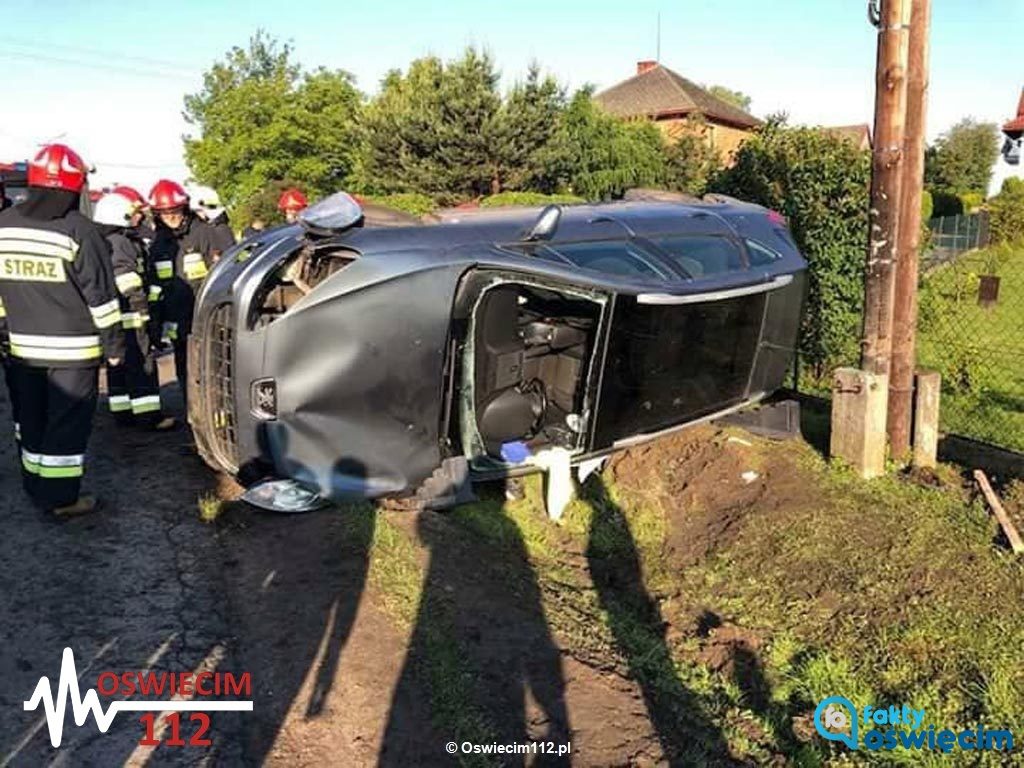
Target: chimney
{"x": 645, "y": 66}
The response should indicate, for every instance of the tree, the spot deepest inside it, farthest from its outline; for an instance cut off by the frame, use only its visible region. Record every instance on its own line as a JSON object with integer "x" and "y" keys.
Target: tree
{"x": 260, "y": 118}
{"x": 525, "y": 128}
{"x": 690, "y": 160}
{"x": 729, "y": 96}
{"x": 962, "y": 158}
{"x": 598, "y": 156}
{"x": 434, "y": 129}
{"x": 820, "y": 182}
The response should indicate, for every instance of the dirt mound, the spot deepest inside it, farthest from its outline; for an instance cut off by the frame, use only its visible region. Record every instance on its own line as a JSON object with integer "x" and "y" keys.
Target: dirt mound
{"x": 707, "y": 480}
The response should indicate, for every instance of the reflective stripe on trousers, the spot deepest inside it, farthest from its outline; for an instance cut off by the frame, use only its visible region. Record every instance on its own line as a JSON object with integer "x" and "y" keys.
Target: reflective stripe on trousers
{"x": 147, "y": 404}
{"x": 51, "y": 466}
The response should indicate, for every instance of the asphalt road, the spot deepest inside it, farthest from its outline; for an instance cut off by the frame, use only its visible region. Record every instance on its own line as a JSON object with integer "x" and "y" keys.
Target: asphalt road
{"x": 137, "y": 585}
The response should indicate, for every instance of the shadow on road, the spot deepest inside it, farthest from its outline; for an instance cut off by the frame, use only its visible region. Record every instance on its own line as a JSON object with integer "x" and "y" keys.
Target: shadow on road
{"x": 481, "y": 654}
{"x": 687, "y": 734}
{"x": 294, "y": 582}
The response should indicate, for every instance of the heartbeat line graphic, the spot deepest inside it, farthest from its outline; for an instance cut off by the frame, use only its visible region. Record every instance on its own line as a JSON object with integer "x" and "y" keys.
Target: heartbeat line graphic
{"x": 82, "y": 706}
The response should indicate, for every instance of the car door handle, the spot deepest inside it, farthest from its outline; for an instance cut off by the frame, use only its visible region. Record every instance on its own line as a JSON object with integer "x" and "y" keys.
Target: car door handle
{"x": 670, "y": 299}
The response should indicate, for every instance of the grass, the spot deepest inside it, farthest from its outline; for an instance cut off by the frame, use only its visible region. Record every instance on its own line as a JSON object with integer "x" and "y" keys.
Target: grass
{"x": 980, "y": 352}
{"x": 884, "y": 592}
{"x": 210, "y": 506}
{"x": 397, "y": 573}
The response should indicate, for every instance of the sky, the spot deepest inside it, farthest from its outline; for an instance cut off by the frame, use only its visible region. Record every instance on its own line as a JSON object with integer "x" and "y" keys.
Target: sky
{"x": 108, "y": 77}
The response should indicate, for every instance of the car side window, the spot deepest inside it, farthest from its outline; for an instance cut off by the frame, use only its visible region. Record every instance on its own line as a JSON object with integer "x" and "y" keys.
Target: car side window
{"x": 702, "y": 255}
{"x": 614, "y": 257}
{"x": 760, "y": 255}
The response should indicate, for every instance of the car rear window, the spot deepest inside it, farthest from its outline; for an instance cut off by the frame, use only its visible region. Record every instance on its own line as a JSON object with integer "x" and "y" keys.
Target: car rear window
{"x": 702, "y": 255}
{"x": 613, "y": 257}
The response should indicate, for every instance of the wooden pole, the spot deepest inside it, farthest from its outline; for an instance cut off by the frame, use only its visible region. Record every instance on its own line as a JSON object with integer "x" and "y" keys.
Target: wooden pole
{"x": 890, "y": 113}
{"x": 1012, "y": 535}
{"x": 908, "y": 240}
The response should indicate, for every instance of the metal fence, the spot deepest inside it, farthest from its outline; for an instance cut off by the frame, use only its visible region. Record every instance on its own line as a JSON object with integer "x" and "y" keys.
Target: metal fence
{"x": 953, "y": 235}
{"x": 970, "y": 330}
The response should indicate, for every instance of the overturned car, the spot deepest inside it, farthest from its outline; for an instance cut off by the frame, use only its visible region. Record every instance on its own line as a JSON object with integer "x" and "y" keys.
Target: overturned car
{"x": 368, "y": 353}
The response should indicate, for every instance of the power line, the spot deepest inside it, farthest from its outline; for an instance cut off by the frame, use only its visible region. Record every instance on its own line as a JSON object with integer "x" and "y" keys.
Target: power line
{"x": 36, "y": 47}
{"x": 132, "y": 71}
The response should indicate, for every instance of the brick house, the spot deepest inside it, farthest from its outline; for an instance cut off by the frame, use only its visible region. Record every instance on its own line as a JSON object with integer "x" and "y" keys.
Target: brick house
{"x": 858, "y": 135}
{"x": 669, "y": 99}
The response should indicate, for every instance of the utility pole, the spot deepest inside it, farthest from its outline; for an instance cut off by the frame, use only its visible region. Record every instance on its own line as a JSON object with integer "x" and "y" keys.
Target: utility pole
{"x": 860, "y": 396}
{"x": 890, "y": 110}
{"x": 908, "y": 242}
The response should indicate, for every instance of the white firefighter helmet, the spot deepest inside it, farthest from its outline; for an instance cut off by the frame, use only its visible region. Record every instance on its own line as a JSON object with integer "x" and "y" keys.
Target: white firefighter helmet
{"x": 114, "y": 209}
{"x": 205, "y": 201}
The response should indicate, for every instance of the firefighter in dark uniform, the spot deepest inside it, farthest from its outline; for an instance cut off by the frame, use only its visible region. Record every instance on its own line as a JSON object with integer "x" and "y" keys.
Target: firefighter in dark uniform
{"x": 182, "y": 253}
{"x": 5, "y": 346}
{"x": 63, "y": 318}
{"x": 133, "y": 389}
{"x": 206, "y": 205}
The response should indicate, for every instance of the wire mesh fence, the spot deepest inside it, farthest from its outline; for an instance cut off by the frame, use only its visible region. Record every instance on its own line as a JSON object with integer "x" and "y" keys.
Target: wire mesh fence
{"x": 953, "y": 235}
{"x": 970, "y": 330}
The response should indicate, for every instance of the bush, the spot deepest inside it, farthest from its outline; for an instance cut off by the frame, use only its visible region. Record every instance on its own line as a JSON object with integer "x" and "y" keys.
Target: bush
{"x": 946, "y": 203}
{"x": 1006, "y": 213}
{"x": 821, "y": 183}
{"x": 262, "y": 206}
{"x": 527, "y": 198}
{"x": 971, "y": 201}
{"x": 411, "y": 202}
{"x": 927, "y": 206}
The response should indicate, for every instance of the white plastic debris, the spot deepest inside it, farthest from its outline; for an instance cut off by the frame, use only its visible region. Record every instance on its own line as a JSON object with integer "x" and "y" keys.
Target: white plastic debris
{"x": 740, "y": 440}
{"x": 556, "y": 462}
{"x": 749, "y": 476}
{"x": 586, "y": 468}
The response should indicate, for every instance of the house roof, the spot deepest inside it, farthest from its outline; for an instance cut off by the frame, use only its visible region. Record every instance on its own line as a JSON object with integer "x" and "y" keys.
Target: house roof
{"x": 1017, "y": 124}
{"x": 660, "y": 92}
{"x": 859, "y": 135}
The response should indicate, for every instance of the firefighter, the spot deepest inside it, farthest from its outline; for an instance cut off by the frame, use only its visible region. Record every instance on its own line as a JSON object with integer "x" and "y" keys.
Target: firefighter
{"x": 182, "y": 253}
{"x": 255, "y": 229}
{"x": 206, "y": 204}
{"x": 291, "y": 203}
{"x": 63, "y": 318}
{"x": 142, "y": 227}
{"x": 133, "y": 389}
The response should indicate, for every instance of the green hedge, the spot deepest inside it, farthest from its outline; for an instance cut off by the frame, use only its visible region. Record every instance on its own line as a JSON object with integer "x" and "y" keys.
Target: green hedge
{"x": 821, "y": 184}
{"x": 1006, "y": 213}
{"x": 927, "y": 206}
{"x": 527, "y": 198}
{"x": 410, "y": 202}
{"x": 948, "y": 203}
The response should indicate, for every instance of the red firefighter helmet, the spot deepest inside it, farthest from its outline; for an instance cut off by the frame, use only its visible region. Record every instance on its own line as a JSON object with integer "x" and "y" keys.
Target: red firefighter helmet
{"x": 292, "y": 200}
{"x": 166, "y": 195}
{"x": 57, "y": 166}
{"x": 131, "y": 193}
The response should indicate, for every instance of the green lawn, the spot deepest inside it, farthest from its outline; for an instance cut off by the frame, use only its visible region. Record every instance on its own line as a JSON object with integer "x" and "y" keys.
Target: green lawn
{"x": 979, "y": 352}
{"x": 817, "y": 584}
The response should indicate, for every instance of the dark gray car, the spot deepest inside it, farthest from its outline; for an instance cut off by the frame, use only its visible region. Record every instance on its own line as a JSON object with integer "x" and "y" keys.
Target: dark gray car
{"x": 379, "y": 355}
